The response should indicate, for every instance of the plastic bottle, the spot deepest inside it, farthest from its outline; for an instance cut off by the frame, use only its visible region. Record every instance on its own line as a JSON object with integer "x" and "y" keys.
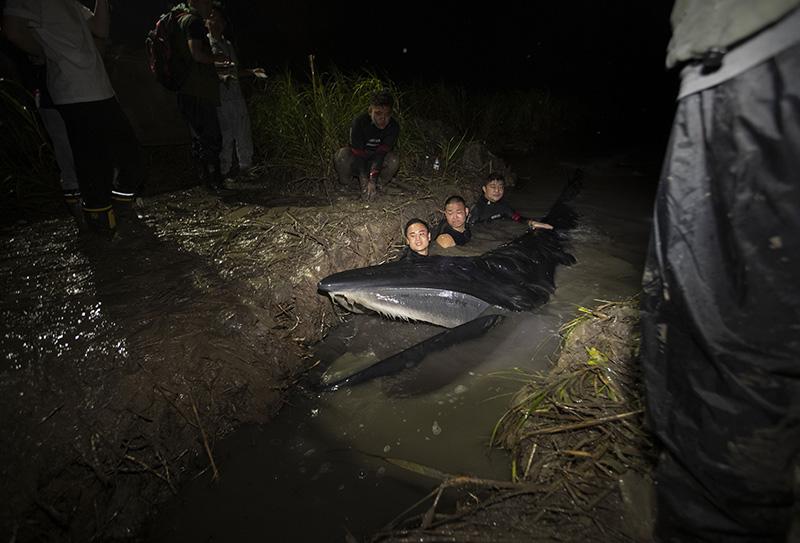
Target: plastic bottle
{"x": 436, "y": 164}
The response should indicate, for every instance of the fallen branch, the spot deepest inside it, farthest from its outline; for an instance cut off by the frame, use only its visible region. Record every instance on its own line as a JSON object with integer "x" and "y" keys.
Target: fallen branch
{"x": 581, "y": 425}
{"x": 152, "y": 471}
{"x": 305, "y": 229}
{"x": 216, "y": 477}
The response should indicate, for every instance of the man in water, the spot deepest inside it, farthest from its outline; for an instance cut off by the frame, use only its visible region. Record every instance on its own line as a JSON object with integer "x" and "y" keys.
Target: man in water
{"x": 418, "y": 238}
{"x": 455, "y": 230}
{"x": 492, "y": 206}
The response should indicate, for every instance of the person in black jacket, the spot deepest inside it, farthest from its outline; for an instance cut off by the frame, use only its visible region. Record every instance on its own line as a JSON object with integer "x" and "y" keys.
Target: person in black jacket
{"x": 370, "y": 153}
{"x": 198, "y": 98}
{"x": 492, "y": 206}
{"x": 418, "y": 239}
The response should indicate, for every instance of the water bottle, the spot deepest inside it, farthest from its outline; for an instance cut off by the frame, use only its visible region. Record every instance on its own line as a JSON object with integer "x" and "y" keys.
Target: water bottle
{"x": 436, "y": 164}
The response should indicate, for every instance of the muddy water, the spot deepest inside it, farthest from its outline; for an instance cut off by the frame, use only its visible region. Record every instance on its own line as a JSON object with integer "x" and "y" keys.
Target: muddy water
{"x": 316, "y": 472}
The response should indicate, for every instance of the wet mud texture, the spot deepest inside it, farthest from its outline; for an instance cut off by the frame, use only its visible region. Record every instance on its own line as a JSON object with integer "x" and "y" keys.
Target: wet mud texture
{"x": 121, "y": 368}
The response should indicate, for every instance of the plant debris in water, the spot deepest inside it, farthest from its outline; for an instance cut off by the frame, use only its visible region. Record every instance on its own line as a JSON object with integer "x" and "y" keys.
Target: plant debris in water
{"x": 582, "y": 458}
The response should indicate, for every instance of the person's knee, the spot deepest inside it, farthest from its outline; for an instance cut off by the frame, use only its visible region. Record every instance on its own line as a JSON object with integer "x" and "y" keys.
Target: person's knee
{"x": 343, "y": 156}
{"x": 392, "y": 160}
{"x": 391, "y": 163}
{"x": 343, "y": 162}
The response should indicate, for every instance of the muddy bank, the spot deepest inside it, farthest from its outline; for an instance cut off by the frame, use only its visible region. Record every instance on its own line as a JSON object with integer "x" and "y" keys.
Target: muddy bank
{"x": 123, "y": 368}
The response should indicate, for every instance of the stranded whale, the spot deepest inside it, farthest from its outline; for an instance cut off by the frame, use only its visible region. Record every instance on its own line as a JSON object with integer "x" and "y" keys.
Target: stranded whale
{"x": 449, "y": 291}
{"x": 454, "y": 291}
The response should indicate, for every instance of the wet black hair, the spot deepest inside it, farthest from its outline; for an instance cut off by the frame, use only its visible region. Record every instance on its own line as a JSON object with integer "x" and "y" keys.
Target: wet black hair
{"x": 494, "y": 176}
{"x": 455, "y": 199}
{"x": 415, "y": 221}
{"x": 381, "y": 98}
{"x": 219, "y": 7}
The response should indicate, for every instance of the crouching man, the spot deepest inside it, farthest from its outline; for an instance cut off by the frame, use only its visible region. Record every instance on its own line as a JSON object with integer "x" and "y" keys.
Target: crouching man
{"x": 370, "y": 153}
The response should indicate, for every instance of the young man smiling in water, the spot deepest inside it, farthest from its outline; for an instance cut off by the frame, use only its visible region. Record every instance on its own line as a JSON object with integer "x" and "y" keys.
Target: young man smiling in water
{"x": 418, "y": 238}
{"x": 492, "y": 206}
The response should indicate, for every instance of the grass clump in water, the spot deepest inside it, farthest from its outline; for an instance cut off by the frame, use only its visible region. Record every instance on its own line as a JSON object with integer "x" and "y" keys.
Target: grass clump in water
{"x": 586, "y": 416}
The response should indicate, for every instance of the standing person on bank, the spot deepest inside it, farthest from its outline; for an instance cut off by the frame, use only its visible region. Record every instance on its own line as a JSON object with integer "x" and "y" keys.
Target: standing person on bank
{"x": 234, "y": 120}
{"x": 61, "y": 33}
{"x": 198, "y": 98}
{"x": 721, "y": 302}
{"x": 370, "y": 155}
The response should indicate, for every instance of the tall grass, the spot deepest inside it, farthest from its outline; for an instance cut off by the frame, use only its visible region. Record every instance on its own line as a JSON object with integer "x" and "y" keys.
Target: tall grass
{"x": 299, "y": 125}
{"x": 500, "y": 118}
{"x": 28, "y": 171}
{"x": 530, "y": 117}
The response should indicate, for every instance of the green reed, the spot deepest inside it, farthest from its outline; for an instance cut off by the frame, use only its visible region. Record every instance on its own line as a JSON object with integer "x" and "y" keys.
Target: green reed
{"x": 28, "y": 162}
{"x": 299, "y": 123}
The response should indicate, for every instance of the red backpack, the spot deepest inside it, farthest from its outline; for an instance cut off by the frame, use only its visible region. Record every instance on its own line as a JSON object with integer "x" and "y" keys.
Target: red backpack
{"x": 168, "y": 50}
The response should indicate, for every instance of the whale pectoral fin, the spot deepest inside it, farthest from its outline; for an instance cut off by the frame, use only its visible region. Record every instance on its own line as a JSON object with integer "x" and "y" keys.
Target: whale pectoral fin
{"x": 415, "y": 354}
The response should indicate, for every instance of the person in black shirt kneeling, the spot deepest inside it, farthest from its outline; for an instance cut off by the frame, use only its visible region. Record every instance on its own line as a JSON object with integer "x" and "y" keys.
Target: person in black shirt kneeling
{"x": 370, "y": 153}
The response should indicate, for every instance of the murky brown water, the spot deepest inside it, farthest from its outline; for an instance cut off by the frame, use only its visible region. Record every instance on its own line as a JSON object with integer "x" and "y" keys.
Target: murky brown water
{"x": 312, "y": 473}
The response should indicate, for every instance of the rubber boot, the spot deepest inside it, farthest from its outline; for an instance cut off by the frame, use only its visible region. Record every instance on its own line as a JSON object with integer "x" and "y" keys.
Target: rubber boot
{"x": 128, "y": 222}
{"x": 76, "y": 210}
{"x": 103, "y": 224}
{"x": 211, "y": 177}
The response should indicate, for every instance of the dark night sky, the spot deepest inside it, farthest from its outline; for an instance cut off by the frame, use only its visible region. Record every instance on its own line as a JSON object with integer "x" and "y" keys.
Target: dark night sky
{"x": 604, "y": 47}
{"x": 611, "y": 52}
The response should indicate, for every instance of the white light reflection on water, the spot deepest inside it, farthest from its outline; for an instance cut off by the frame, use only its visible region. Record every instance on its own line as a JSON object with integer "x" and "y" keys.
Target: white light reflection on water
{"x": 60, "y": 276}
